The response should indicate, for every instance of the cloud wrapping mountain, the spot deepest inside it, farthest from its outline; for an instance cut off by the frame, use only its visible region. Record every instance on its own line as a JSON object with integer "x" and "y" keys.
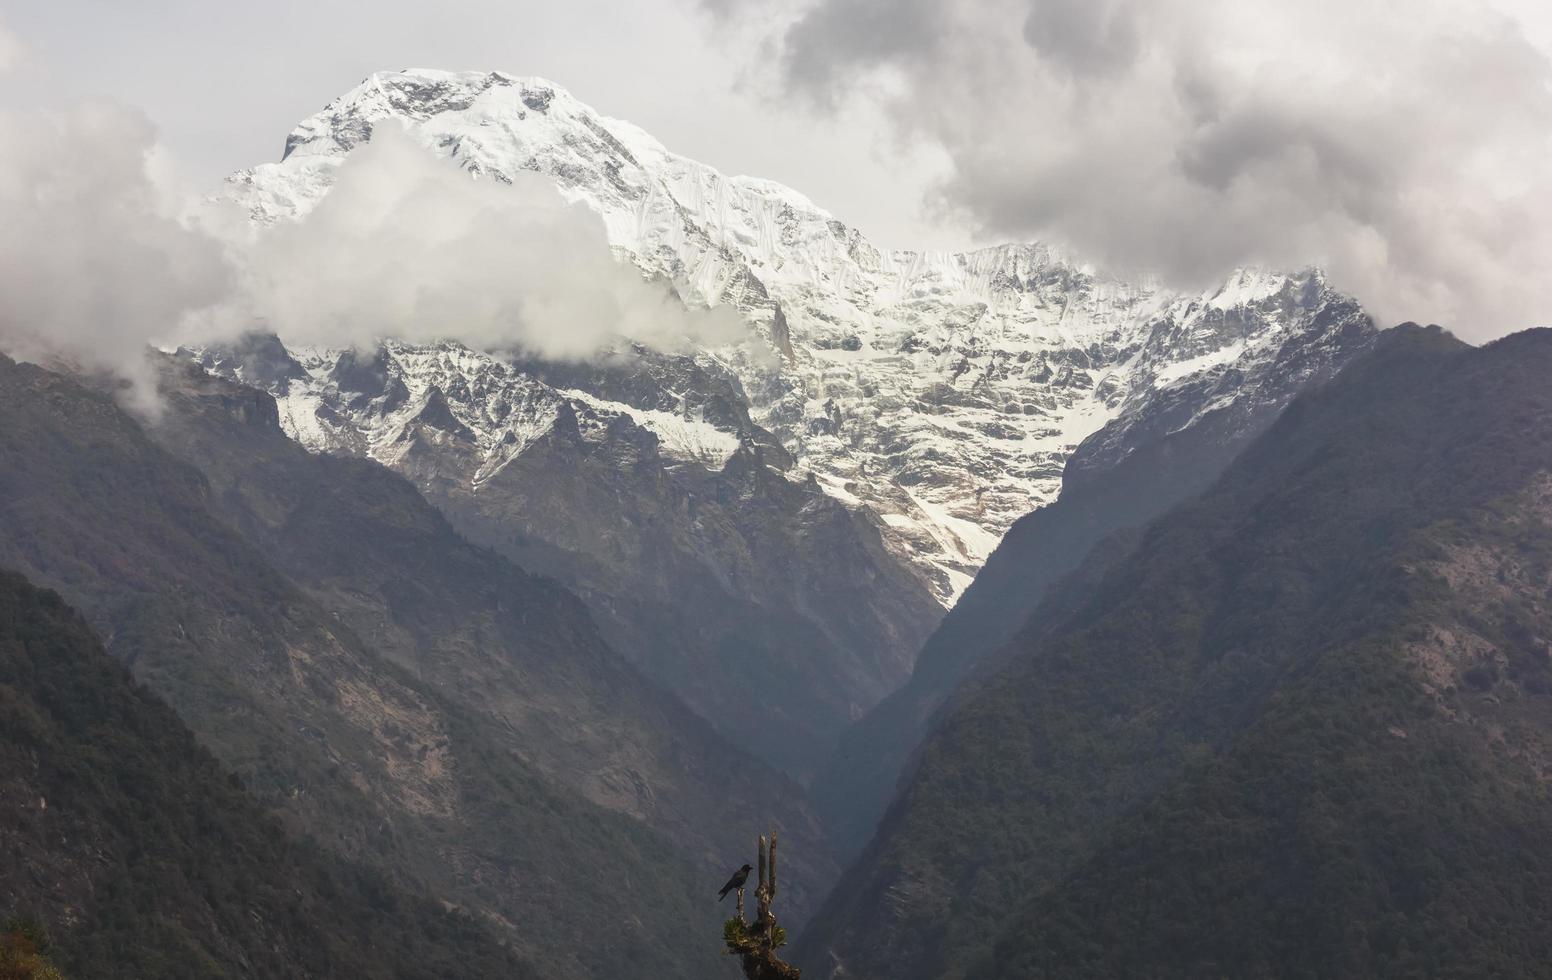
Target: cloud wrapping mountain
{"x": 408, "y": 245}
{"x": 99, "y": 258}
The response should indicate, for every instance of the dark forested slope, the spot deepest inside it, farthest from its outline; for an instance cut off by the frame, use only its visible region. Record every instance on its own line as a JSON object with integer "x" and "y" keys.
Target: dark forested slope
{"x": 518, "y": 649}
{"x": 349, "y": 746}
{"x": 1164, "y": 449}
{"x": 772, "y": 609}
{"x": 145, "y": 859}
{"x": 1301, "y": 731}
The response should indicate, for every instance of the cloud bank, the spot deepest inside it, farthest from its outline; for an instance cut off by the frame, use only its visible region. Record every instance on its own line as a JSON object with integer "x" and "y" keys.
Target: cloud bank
{"x": 1404, "y": 147}
{"x": 93, "y": 263}
{"x": 99, "y": 259}
{"x": 407, "y": 245}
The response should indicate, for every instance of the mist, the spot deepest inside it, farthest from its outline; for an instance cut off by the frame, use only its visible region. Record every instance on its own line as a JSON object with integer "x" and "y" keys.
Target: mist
{"x": 103, "y": 258}
{"x": 408, "y": 245}
{"x": 1402, "y": 148}
{"x": 94, "y": 262}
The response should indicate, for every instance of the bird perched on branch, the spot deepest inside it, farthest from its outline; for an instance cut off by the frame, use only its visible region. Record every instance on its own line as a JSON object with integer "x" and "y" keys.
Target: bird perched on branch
{"x": 736, "y": 882}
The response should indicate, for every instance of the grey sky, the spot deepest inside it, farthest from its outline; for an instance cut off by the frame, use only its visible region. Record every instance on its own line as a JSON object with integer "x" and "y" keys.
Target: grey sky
{"x": 225, "y": 82}
{"x": 1403, "y": 144}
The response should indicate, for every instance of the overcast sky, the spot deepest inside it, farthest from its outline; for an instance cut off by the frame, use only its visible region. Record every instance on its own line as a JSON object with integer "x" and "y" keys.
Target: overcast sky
{"x": 225, "y": 82}
{"x": 1403, "y": 144}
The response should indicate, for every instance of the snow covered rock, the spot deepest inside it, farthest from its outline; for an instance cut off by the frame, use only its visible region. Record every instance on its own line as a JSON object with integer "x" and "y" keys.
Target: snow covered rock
{"x": 945, "y": 391}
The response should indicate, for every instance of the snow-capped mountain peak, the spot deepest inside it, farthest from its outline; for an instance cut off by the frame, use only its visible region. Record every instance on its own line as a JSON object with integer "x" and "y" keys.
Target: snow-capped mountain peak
{"x": 943, "y": 390}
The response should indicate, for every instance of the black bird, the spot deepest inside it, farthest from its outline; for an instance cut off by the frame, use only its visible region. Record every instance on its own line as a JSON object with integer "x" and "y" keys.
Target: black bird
{"x": 734, "y": 883}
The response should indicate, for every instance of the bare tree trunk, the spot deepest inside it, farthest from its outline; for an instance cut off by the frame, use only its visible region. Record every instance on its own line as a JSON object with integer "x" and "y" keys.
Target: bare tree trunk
{"x": 756, "y": 943}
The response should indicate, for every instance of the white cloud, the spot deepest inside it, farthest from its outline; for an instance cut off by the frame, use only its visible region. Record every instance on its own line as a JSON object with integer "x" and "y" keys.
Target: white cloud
{"x": 408, "y": 245}
{"x": 99, "y": 259}
{"x": 92, "y": 262}
{"x": 1403, "y": 147}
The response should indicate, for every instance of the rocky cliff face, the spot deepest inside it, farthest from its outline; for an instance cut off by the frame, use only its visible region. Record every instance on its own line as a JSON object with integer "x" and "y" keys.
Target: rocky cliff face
{"x": 490, "y": 636}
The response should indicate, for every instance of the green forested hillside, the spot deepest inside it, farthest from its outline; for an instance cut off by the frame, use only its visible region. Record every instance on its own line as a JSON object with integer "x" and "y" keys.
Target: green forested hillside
{"x": 1298, "y": 732}
{"x": 145, "y": 859}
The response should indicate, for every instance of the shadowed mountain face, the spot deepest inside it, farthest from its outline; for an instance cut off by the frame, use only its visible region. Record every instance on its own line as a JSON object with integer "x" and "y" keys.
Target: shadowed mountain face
{"x": 1312, "y": 697}
{"x": 480, "y": 751}
{"x": 1163, "y": 449}
{"x": 767, "y": 605}
{"x": 144, "y": 858}
{"x": 469, "y": 624}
